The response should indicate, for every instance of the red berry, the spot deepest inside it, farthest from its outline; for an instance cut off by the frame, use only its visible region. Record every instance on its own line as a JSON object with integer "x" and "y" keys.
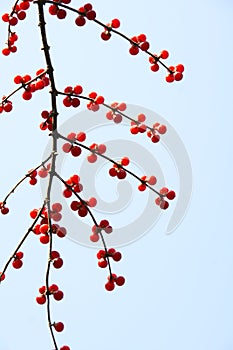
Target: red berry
{"x": 112, "y": 172}
{"x": 125, "y": 161}
{"x": 155, "y": 138}
{"x": 65, "y": 347}
{"x": 67, "y": 193}
{"x": 59, "y": 326}
{"x": 82, "y": 211}
{"x": 41, "y": 299}
{"x": 76, "y": 151}
{"x": 101, "y": 254}
{"x": 171, "y": 195}
{"x": 44, "y": 239}
{"x": 142, "y": 187}
{"x": 164, "y": 204}
{"x": 178, "y": 76}
{"x": 18, "y": 79}
{"x": 109, "y": 286}
{"x": 162, "y": 129}
{"x": 4, "y": 210}
{"x": 105, "y": 35}
{"x": 102, "y": 263}
{"x": 115, "y": 23}
{"x": 57, "y": 207}
{"x": 87, "y": 7}
{"x": 92, "y": 158}
{"x": 152, "y": 180}
{"x": 80, "y": 21}
{"x": 92, "y": 202}
{"x": 81, "y": 136}
{"x": 154, "y": 67}
{"x": 66, "y": 147}
{"x": 61, "y": 232}
{"x": 24, "y": 5}
{"x": 91, "y": 15}
{"x": 180, "y": 68}
{"x": 164, "y": 54}
{"x": 116, "y": 256}
{"x": 58, "y": 295}
{"x": 33, "y": 213}
{"x": 67, "y": 102}
{"x": 75, "y": 102}
{"x": 94, "y": 237}
{"x": 170, "y": 78}
{"x": 13, "y": 21}
{"x": 5, "y": 17}
{"x": 99, "y": 100}
{"x": 2, "y": 276}
{"x": 6, "y": 52}
{"x": 117, "y": 118}
{"x": 134, "y": 50}
{"x": 78, "y": 89}
{"x": 21, "y": 15}
{"x": 144, "y": 46}
{"x": 120, "y": 280}
{"x": 17, "y": 263}
{"x": 19, "y": 255}
{"x": 27, "y": 95}
{"x": 61, "y": 14}
{"x": 53, "y": 10}
{"x": 54, "y": 254}
{"x": 121, "y": 174}
{"x": 57, "y": 263}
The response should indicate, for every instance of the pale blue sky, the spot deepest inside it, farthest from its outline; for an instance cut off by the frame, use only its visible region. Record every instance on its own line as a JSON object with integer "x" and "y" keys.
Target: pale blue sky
{"x": 179, "y": 287}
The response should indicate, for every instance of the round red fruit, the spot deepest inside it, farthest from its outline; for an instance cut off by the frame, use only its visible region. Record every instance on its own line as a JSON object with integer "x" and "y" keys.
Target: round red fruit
{"x": 17, "y": 263}
{"x": 109, "y": 286}
{"x": 120, "y": 281}
{"x": 59, "y": 326}
{"x": 171, "y": 195}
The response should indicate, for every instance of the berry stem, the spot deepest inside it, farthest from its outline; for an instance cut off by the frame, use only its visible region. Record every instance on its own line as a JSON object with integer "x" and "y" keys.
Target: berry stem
{"x": 24, "y": 178}
{"x": 22, "y": 241}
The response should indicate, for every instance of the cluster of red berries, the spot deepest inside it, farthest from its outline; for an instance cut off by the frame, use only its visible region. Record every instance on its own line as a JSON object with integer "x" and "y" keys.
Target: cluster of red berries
{"x": 155, "y": 58}
{"x": 73, "y": 184}
{"x": 138, "y": 126}
{"x": 81, "y": 206}
{"x": 96, "y": 101}
{"x": 17, "y": 263}
{"x": 138, "y": 42}
{"x": 43, "y": 228}
{"x": 102, "y": 256}
{"x": 95, "y": 148}
{"x": 4, "y": 210}
{"x": 41, "y": 82}
{"x": 11, "y": 48}
{"x": 117, "y": 169}
{"x": 6, "y": 106}
{"x": 74, "y": 149}
{"x": 54, "y": 10}
{"x": 113, "y": 115}
{"x": 147, "y": 180}
{"x": 114, "y": 280}
{"x": 165, "y": 192}
{"x": 153, "y": 133}
{"x": 43, "y": 172}
{"x": 19, "y": 13}
{"x": 175, "y": 73}
{"x": 106, "y": 34}
{"x": 96, "y": 230}
{"x": 48, "y": 123}
{"x": 53, "y": 290}
{"x": 69, "y": 101}
{"x": 85, "y": 11}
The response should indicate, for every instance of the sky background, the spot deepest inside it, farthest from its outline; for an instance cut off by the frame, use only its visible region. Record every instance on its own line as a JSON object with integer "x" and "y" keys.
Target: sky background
{"x": 179, "y": 287}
